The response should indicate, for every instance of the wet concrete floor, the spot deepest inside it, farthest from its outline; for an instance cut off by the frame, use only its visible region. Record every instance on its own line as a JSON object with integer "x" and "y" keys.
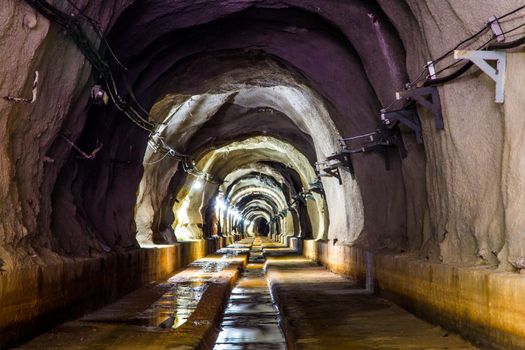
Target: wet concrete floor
{"x": 322, "y": 310}
{"x": 180, "y": 313}
{"x": 251, "y": 320}
{"x": 316, "y": 309}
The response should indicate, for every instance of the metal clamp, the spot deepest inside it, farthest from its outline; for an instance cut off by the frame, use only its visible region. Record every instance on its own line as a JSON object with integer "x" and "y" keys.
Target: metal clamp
{"x": 431, "y": 67}
{"x": 99, "y": 96}
{"x": 480, "y": 59}
{"x": 496, "y": 29}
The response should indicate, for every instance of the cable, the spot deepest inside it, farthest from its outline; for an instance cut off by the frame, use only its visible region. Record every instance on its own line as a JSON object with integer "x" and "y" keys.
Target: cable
{"x": 432, "y": 81}
{"x": 509, "y": 45}
{"x": 461, "y": 70}
{"x": 158, "y": 160}
{"x": 96, "y": 28}
{"x": 469, "y": 64}
{"x": 511, "y": 12}
{"x": 513, "y": 29}
{"x": 449, "y": 77}
{"x": 440, "y": 58}
{"x": 446, "y": 54}
{"x": 92, "y": 54}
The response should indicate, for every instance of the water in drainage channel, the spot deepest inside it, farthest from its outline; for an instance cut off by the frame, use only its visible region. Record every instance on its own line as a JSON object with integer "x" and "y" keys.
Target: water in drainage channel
{"x": 251, "y": 320}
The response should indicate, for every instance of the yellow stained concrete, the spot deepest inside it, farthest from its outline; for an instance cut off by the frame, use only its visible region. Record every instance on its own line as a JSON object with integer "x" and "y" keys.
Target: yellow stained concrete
{"x": 482, "y": 304}
{"x": 111, "y": 328}
{"x": 38, "y": 296}
{"x": 325, "y": 311}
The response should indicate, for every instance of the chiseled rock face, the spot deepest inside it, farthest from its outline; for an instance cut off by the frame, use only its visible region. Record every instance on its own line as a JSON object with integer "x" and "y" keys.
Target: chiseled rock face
{"x": 21, "y": 33}
{"x": 458, "y": 199}
{"x": 474, "y": 190}
{"x": 31, "y": 152}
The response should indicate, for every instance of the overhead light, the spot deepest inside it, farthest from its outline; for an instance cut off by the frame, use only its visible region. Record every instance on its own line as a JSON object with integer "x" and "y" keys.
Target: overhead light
{"x": 219, "y": 204}
{"x": 197, "y": 184}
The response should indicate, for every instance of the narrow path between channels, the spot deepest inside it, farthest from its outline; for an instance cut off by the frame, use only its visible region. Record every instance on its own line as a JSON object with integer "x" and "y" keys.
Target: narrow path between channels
{"x": 251, "y": 320}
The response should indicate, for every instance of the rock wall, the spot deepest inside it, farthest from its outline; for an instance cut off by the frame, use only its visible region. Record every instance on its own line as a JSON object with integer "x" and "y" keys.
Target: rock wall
{"x": 33, "y": 151}
{"x": 471, "y": 174}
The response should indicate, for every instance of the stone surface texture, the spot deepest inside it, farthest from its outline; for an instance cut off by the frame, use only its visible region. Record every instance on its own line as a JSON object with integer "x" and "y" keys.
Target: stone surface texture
{"x": 223, "y": 73}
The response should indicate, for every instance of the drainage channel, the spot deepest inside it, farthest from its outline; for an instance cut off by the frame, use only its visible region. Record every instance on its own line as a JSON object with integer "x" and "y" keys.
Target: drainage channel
{"x": 251, "y": 320}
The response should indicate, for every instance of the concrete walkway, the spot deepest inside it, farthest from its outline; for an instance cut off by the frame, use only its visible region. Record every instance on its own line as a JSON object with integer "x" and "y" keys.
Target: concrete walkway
{"x": 180, "y": 313}
{"x": 321, "y": 310}
{"x": 308, "y": 308}
{"x": 251, "y": 320}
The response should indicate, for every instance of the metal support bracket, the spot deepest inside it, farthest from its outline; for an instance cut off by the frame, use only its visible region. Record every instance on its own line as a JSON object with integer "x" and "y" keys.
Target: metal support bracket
{"x": 316, "y": 186}
{"x": 300, "y": 198}
{"x": 343, "y": 161}
{"x": 34, "y": 95}
{"x": 379, "y": 142}
{"x": 427, "y": 97}
{"x": 481, "y": 59}
{"x": 407, "y": 117}
{"x": 330, "y": 170}
{"x": 84, "y": 155}
{"x": 332, "y": 165}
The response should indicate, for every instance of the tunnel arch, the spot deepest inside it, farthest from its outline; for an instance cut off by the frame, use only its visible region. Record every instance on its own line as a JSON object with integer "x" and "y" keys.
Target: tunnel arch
{"x": 83, "y": 186}
{"x": 332, "y": 29}
{"x": 272, "y": 97}
{"x": 223, "y": 161}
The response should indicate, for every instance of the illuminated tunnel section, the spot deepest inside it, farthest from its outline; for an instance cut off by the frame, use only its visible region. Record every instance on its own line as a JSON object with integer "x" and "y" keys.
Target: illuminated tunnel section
{"x": 244, "y": 194}
{"x": 263, "y": 77}
{"x": 141, "y": 137}
{"x": 249, "y": 116}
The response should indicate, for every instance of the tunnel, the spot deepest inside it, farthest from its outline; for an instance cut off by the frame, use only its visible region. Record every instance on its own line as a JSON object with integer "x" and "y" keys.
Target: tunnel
{"x": 262, "y": 174}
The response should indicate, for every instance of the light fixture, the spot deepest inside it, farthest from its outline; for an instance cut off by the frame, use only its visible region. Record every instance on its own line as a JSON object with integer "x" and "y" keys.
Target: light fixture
{"x": 219, "y": 204}
{"x": 197, "y": 184}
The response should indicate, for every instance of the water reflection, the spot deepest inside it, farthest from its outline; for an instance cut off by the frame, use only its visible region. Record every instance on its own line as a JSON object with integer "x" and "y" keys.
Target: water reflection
{"x": 251, "y": 320}
{"x": 174, "y": 307}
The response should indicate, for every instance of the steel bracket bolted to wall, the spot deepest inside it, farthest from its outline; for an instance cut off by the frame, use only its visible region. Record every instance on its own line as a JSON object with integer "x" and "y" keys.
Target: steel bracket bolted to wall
{"x": 327, "y": 168}
{"x": 407, "y": 117}
{"x": 481, "y": 59}
{"x": 332, "y": 165}
{"x": 427, "y": 97}
{"x": 316, "y": 186}
{"x": 378, "y": 141}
